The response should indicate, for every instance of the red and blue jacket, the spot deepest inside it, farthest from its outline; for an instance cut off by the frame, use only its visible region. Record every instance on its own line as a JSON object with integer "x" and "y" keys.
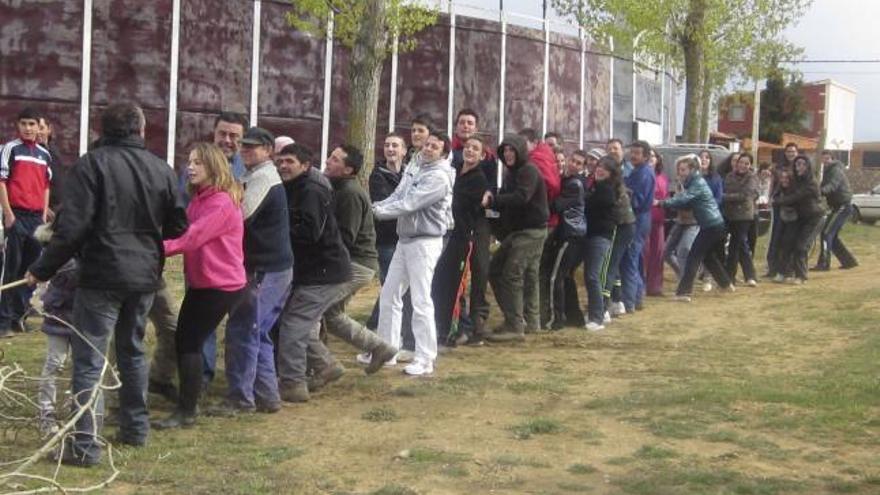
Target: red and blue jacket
{"x": 24, "y": 168}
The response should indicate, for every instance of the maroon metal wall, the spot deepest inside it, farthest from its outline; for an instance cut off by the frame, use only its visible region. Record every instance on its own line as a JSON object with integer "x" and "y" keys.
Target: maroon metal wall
{"x": 131, "y": 58}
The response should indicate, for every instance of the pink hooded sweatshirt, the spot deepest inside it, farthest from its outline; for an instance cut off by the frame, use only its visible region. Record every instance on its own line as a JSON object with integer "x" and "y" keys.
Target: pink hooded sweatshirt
{"x": 213, "y": 256}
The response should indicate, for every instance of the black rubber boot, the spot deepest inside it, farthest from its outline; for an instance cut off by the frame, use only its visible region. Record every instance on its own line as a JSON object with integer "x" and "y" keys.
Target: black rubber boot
{"x": 189, "y": 369}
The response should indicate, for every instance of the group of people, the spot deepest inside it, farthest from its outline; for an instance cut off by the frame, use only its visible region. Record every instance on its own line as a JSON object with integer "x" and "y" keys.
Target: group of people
{"x": 279, "y": 246}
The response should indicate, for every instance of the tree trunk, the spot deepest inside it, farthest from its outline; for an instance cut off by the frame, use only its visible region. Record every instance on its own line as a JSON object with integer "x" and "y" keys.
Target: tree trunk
{"x": 364, "y": 75}
{"x": 705, "y": 105}
{"x": 692, "y": 46}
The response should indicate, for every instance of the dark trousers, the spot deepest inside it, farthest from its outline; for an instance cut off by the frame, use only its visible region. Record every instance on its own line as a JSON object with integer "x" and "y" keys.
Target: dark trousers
{"x": 446, "y": 287}
{"x": 200, "y": 313}
{"x": 480, "y": 259}
{"x": 105, "y": 317}
{"x": 704, "y": 251}
{"x": 773, "y": 244}
{"x": 831, "y": 242}
{"x": 386, "y": 252}
{"x": 569, "y": 255}
{"x": 739, "y": 251}
{"x": 21, "y": 251}
{"x": 797, "y": 239}
{"x": 623, "y": 237}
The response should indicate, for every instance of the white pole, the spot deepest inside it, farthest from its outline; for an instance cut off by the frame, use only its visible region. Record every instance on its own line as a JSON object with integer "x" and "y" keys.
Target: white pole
{"x": 85, "y": 80}
{"x": 546, "y": 73}
{"x": 663, "y": 127}
{"x": 392, "y": 108}
{"x": 255, "y": 63}
{"x": 583, "y": 82}
{"x": 450, "y": 103}
{"x": 328, "y": 79}
{"x": 611, "y": 89}
{"x": 503, "y": 78}
{"x": 172, "y": 85}
{"x": 756, "y": 122}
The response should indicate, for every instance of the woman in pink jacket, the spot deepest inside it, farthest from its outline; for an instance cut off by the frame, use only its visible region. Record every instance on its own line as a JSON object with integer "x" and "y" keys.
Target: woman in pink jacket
{"x": 213, "y": 262}
{"x": 653, "y": 253}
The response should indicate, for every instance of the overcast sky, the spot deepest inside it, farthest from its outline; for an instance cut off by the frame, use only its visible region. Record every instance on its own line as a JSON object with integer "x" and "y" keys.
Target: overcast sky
{"x": 831, "y": 29}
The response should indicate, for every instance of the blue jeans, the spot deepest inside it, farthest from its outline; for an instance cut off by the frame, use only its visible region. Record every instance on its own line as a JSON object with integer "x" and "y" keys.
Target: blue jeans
{"x": 633, "y": 281}
{"x": 101, "y": 316}
{"x": 596, "y": 258}
{"x": 21, "y": 251}
{"x": 831, "y": 242}
{"x": 250, "y": 356}
{"x": 623, "y": 236}
{"x": 386, "y": 252}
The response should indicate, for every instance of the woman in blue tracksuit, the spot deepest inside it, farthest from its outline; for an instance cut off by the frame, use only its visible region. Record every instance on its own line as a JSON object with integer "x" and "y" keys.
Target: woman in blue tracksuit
{"x": 698, "y": 197}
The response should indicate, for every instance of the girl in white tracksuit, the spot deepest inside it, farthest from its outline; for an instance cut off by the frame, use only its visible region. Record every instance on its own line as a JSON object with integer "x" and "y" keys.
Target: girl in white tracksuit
{"x": 421, "y": 204}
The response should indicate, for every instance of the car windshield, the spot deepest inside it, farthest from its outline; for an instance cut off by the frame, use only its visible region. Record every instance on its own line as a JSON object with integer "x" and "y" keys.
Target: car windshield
{"x": 876, "y": 190}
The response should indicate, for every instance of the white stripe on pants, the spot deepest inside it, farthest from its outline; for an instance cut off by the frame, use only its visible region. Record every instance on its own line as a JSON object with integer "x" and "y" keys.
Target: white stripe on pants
{"x": 412, "y": 267}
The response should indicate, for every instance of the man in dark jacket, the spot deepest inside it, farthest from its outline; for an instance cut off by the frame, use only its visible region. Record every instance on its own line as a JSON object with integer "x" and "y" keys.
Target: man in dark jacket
{"x": 522, "y": 202}
{"x": 354, "y": 215}
{"x": 466, "y": 125}
{"x": 835, "y": 188}
{"x": 321, "y": 271}
{"x": 122, "y": 201}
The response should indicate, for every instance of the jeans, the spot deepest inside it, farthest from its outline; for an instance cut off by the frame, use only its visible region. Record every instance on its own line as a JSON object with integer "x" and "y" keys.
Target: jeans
{"x": 632, "y": 278}
{"x": 678, "y": 245}
{"x": 518, "y": 252}
{"x": 704, "y": 251}
{"x": 412, "y": 267}
{"x": 773, "y": 243}
{"x": 102, "y": 316}
{"x": 739, "y": 252}
{"x": 21, "y": 251}
{"x": 623, "y": 237}
{"x": 250, "y": 363}
{"x": 831, "y": 242}
{"x": 386, "y": 252}
{"x": 596, "y": 261}
{"x": 57, "y": 348}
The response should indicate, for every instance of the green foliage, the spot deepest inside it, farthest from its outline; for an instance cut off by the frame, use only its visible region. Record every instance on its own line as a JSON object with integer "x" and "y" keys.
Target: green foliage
{"x": 403, "y": 19}
{"x": 782, "y": 108}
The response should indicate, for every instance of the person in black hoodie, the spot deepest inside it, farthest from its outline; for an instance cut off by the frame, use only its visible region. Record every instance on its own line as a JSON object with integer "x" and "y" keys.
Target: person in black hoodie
{"x": 321, "y": 270}
{"x": 122, "y": 201}
{"x": 835, "y": 188}
{"x": 468, "y": 191}
{"x": 522, "y": 202}
{"x": 601, "y": 201}
{"x": 797, "y": 236}
{"x": 568, "y": 244}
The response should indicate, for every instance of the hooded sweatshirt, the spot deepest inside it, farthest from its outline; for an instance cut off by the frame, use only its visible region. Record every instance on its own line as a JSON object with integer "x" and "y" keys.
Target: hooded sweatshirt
{"x": 835, "y": 185}
{"x": 522, "y": 199}
{"x": 542, "y": 156}
{"x": 803, "y": 196}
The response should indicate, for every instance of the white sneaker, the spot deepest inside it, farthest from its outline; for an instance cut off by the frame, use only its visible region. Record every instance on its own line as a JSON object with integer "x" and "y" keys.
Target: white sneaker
{"x": 707, "y": 286}
{"x": 729, "y": 288}
{"x": 684, "y": 299}
{"x": 419, "y": 367}
{"x": 779, "y": 278}
{"x": 365, "y": 359}
{"x": 617, "y": 309}
{"x": 606, "y": 319}
{"x": 594, "y": 327}
{"x": 752, "y": 282}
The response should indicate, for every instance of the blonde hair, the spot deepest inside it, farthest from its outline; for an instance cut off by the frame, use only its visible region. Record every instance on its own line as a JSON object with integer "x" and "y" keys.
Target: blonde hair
{"x": 218, "y": 169}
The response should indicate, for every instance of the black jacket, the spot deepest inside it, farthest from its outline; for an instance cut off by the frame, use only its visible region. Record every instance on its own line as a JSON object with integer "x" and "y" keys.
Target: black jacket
{"x": 835, "y": 185}
{"x": 803, "y": 196}
{"x": 467, "y": 196}
{"x": 570, "y": 207}
{"x": 522, "y": 200}
{"x": 121, "y": 202}
{"x": 383, "y": 182}
{"x": 320, "y": 257}
{"x": 600, "y": 203}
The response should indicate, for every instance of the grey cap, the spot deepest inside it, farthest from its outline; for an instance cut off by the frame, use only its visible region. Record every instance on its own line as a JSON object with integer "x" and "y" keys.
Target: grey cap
{"x": 596, "y": 153}
{"x": 257, "y": 136}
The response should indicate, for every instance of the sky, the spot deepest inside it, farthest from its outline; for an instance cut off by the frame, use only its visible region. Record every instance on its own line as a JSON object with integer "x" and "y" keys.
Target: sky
{"x": 844, "y": 29}
{"x": 830, "y": 30}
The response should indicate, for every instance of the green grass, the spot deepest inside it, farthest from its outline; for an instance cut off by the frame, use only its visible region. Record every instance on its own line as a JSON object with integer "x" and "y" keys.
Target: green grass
{"x": 654, "y": 452}
{"x": 536, "y": 426}
{"x": 581, "y": 469}
{"x": 380, "y": 415}
{"x": 509, "y": 460}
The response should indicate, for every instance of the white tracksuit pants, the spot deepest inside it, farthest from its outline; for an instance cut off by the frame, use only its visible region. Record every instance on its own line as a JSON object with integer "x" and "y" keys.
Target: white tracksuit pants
{"x": 412, "y": 267}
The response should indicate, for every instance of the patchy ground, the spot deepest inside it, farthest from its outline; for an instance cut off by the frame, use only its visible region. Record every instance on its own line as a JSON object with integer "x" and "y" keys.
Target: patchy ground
{"x": 768, "y": 390}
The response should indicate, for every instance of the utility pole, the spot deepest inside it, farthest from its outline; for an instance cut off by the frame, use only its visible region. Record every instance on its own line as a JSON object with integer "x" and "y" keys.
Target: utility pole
{"x": 756, "y": 121}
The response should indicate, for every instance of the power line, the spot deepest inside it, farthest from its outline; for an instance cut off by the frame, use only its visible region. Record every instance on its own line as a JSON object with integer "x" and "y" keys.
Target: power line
{"x": 838, "y": 61}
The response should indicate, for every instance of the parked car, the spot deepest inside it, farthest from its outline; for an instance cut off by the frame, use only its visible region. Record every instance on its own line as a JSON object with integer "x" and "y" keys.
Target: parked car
{"x": 866, "y": 207}
{"x": 672, "y": 152}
